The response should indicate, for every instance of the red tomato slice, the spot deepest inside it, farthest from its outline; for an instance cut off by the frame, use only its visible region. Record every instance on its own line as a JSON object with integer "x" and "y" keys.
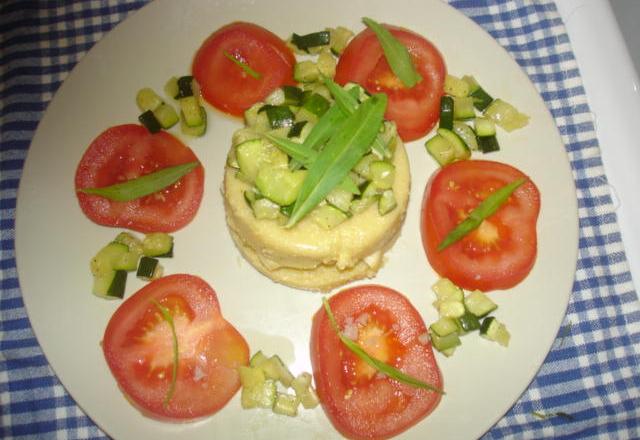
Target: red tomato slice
{"x": 415, "y": 110}
{"x": 224, "y": 84}
{"x": 498, "y": 254}
{"x": 360, "y": 402}
{"x": 128, "y": 151}
{"x": 138, "y": 347}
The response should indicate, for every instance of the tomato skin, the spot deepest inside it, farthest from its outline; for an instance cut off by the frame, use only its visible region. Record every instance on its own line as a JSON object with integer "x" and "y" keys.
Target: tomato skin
{"x": 379, "y": 407}
{"x": 471, "y": 263}
{"x": 225, "y": 85}
{"x": 127, "y": 151}
{"x": 210, "y": 348}
{"x": 416, "y": 110}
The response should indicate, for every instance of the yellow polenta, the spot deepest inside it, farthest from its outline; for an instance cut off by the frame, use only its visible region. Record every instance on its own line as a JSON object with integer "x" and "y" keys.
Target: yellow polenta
{"x": 308, "y": 256}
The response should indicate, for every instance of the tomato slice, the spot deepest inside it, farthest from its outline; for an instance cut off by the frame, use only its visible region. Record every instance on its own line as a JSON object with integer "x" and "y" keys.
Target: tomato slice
{"x": 224, "y": 84}
{"x": 359, "y": 401}
{"x": 124, "y": 152}
{"x": 415, "y": 110}
{"x": 138, "y": 347}
{"x": 498, "y": 254}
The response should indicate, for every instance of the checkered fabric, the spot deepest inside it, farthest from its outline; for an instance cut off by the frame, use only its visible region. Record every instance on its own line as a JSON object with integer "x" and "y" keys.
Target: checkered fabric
{"x": 589, "y": 384}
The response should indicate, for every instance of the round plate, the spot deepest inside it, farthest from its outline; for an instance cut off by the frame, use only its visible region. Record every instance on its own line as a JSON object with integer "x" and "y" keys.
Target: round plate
{"x": 54, "y": 241}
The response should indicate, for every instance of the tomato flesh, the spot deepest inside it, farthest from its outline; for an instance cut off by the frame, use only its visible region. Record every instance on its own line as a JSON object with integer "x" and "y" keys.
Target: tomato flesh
{"x": 138, "y": 347}
{"x": 415, "y": 110}
{"x": 124, "y": 152}
{"x": 224, "y": 84}
{"x": 359, "y": 401}
{"x": 502, "y": 250}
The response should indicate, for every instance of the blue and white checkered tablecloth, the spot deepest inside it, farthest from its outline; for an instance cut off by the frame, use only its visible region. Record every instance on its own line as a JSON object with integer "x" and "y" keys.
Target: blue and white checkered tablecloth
{"x": 589, "y": 385}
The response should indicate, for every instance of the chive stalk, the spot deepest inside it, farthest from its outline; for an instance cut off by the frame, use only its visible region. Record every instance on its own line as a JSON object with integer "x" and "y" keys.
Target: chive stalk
{"x": 382, "y": 367}
{"x": 485, "y": 209}
{"x": 143, "y": 185}
{"x": 166, "y": 315}
{"x": 396, "y": 54}
{"x": 244, "y": 66}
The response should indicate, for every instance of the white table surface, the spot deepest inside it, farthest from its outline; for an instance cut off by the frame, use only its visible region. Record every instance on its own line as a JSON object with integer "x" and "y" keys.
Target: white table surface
{"x": 613, "y": 91}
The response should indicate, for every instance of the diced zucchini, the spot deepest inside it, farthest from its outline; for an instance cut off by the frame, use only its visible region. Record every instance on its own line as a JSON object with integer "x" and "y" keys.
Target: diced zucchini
{"x": 326, "y": 64}
{"x": 387, "y": 202}
{"x": 306, "y": 71}
{"x": 466, "y": 133}
{"x": 315, "y": 104}
{"x": 484, "y": 126}
{"x": 149, "y": 121}
{"x": 340, "y": 37}
{"x": 468, "y": 322}
{"x": 450, "y": 309}
{"x": 481, "y": 99}
{"x": 147, "y": 99}
{"x": 171, "y": 87}
{"x": 361, "y": 203}
{"x": 328, "y": 216}
{"x": 292, "y": 95}
{"x": 286, "y": 404}
{"x": 444, "y": 326}
{"x": 278, "y": 115}
{"x": 446, "y": 112}
{"x": 113, "y": 256}
{"x": 275, "y": 369}
{"x": 265, "y": 209}
{"x": 455, "y": 86}
{"x": 340, "y": 198}
{"x": 304, "y": 390}
{"x": 461, "y": 150}
{"x": 312, "y": 40}
{"x": 445, "y": 343}
{"x": 149, "y": 269}
{"x": 440, "y": 149}
{"x": 157, "y": 244}
{"x": 479, "y": 303}
{"x": 186, "y": 87}
{"x": 110, "y": 285}
{"x": 382, "y": 174}
{"x": 196, "y": 130}
{"x": 363, "y": 167}
{"x": 191, "y": 111}
{"x": 506, "y": 115}
{"x": 257, "y": 390}
{"x": 256, "y": 154}
{"x": 255, "y": 119}
{"x": 463, "y": 108}
{"x": 446, "y": 290}
{"x": 279, "y": 184}
{"x": 494, "y": 330}
{"x": 166, "y": 115}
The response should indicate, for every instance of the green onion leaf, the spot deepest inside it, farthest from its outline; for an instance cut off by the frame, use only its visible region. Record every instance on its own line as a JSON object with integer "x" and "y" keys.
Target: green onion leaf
{"x": 166, "y": 315}
{"x": 341, "y": 153}
{"x": 244, "y": 66}
{"x": 348, "y": 103}
{"x": 143, "y": 185}
{"x": 396, "y": 54}
{"x": 299, "y": 152}
{"x": 485, "y": 209}
{"x": 382, "y": 367}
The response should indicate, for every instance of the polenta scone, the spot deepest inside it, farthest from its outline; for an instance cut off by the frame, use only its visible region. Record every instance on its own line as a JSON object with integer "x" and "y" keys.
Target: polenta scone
{"x": 344, "y": 236}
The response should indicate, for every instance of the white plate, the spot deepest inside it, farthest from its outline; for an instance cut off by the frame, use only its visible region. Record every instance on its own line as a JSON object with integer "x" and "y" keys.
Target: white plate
{"x": 55, "y": 241}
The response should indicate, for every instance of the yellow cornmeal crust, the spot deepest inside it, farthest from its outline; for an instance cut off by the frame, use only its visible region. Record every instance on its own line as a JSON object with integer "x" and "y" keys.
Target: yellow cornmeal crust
{"x": 308, "y": 256}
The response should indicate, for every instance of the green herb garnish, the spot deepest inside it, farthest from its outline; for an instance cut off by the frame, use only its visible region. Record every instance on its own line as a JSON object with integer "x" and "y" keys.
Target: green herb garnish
{"x": 485, "y": 209}
{"x": 396, "y": 54}
{"x": 341, "y": 153}
{"x": 244, "y": 66}
{"x": 166, "y": 315}
{"x": 348, "y": 103}
{"x": 544, "y": 416}
{"x": 382, "y": 367}
{"x": 144, "y": 185}
{"x": 297, "y": 151}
